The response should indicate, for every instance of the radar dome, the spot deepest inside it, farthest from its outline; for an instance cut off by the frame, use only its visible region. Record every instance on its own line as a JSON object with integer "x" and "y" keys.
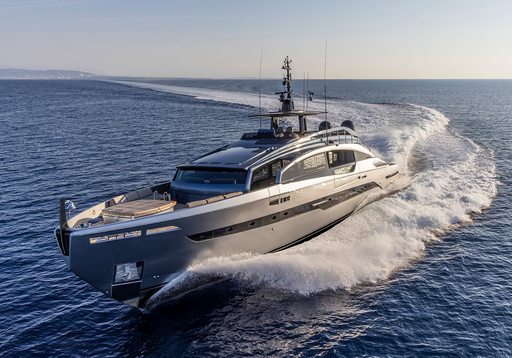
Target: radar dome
{"x": 348, "y": 123}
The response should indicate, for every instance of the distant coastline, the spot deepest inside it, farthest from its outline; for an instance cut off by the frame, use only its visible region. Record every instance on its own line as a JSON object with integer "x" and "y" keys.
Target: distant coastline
{"x": 22, "y": 74}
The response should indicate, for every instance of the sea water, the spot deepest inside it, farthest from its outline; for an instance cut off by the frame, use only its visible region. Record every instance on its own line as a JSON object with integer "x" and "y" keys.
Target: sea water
{"x": 423, "y": 269}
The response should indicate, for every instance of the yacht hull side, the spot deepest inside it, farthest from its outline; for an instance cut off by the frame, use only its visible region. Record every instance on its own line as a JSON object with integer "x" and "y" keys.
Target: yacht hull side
{"x": 128, "y": 260}
{"x": 163, "y": 255}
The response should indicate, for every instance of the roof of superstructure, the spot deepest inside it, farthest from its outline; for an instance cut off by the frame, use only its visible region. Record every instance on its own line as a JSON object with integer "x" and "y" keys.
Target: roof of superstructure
{"x": 244, "y": 154}
{"x": 266, "y": 145}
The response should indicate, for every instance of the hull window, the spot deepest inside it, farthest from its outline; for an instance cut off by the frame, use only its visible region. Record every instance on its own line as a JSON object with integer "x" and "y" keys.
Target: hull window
{"x": 121, "y": 235}
{"x": 323, "y": 203}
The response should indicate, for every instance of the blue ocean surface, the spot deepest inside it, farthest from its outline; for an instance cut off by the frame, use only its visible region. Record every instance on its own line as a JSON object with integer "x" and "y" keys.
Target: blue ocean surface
{"x": 424, "y": 270}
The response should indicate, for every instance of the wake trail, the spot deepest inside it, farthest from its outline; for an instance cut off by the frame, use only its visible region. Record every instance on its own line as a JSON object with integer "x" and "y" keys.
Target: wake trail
{"x": 446, "y": 178}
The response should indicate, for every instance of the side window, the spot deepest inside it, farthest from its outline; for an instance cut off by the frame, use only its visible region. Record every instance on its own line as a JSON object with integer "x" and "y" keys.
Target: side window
{"x": 274, "y": 168}
{"x": 265, "y": 176}
{"x": 341, "y": 157}
{"x": 362, "y": 156}
{"x": 342, "y": 160}
{"x": 305, "y": 168}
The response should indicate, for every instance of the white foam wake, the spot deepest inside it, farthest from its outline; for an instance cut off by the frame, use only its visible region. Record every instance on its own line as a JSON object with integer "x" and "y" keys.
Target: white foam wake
{"x": 448, "y": 178}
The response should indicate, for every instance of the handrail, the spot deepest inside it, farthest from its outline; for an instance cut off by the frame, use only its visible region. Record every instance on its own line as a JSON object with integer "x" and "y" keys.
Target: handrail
{"x": 314, "y": 139}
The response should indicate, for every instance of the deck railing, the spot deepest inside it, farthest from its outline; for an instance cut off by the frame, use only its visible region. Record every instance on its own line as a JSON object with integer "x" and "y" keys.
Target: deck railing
{"x": 339, "y": 135}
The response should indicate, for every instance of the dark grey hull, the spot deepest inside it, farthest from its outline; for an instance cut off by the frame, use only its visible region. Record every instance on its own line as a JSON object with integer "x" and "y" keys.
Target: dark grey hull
{"x": 162, "y": 246}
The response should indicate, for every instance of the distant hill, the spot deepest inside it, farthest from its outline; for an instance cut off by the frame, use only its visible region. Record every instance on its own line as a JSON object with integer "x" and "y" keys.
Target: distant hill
{"x": 14, "y": 74}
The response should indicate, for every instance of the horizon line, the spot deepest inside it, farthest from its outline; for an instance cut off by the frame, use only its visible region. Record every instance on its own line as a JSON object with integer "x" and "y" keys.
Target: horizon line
{"x": 96, "y": 76}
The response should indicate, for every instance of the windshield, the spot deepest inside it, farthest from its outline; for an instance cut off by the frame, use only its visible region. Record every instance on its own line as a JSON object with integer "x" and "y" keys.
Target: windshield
{"x": 210, "y": 176}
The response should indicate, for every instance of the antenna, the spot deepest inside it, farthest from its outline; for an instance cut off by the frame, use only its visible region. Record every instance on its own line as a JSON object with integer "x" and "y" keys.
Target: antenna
{"x": 325, "y": 80}
{"x": 259, "y": 83}
{"x": 307, "y": 90}
{"x": 304, "y": 91}
{"x": 325, "y": 89}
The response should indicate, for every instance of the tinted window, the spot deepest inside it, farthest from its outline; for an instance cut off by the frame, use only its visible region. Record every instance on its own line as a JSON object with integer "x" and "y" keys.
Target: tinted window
{"x": 305, "y": 167}
{"x": 210, "y": 176}
{"x": 341, "y": 157}
{"x": 265, "y": 176}
{"x": 362, "y": 156}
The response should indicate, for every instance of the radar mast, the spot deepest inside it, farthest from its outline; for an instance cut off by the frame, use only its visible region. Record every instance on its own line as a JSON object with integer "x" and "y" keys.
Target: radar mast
{"x": 287, "y": 105}
{"x": 286, "y": 96}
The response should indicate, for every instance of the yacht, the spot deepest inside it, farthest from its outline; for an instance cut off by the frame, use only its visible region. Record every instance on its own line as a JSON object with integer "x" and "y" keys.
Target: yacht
{"x": 272, "y": 189}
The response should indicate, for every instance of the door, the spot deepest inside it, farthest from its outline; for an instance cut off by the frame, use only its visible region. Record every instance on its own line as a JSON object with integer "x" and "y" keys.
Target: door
{"x": 343, "y": 163}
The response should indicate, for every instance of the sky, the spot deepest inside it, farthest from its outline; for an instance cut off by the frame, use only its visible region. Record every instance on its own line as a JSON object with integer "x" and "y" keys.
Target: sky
{"x": 366, "y": 39}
